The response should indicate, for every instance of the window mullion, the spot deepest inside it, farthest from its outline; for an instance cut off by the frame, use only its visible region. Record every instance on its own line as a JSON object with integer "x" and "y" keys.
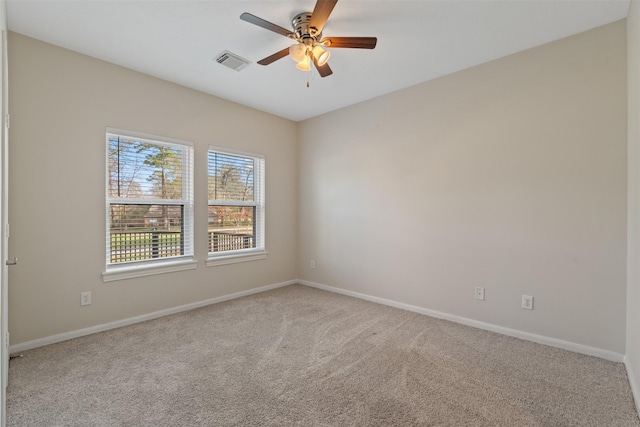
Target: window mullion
{"x": 231, "y": 203}
{"x": 146, "y": 201}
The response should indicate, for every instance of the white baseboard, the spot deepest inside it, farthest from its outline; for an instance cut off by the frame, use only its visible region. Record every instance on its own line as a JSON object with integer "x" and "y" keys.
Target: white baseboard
{"x": 40, "y": 342}
{"x": 540, "y": 339}
{"x": 553, "y": 342}
{"x": 633, "y": 382}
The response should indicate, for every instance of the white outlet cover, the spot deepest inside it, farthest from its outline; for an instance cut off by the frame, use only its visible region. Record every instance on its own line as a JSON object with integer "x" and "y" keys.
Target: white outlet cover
{"x": 527, "y": 302}
{"x": 85, "y": 298}
{"x": 479, "y": 293}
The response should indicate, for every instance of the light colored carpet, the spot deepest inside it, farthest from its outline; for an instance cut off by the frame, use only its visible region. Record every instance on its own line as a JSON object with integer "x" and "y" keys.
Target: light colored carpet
{"x": 299, "y": 356}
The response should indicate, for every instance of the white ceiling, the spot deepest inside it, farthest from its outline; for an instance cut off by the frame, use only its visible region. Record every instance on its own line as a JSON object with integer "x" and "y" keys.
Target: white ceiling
{"x": 178, "y": 40}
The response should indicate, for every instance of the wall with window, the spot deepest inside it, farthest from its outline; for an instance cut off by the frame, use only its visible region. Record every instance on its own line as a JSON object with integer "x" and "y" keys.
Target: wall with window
{"x": 510, "y": 175}
{"x": 61, "y": 104}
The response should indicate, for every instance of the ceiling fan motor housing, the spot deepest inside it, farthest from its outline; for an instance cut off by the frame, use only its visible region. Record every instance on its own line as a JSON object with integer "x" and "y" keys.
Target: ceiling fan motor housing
{"x": 305, "y": 34}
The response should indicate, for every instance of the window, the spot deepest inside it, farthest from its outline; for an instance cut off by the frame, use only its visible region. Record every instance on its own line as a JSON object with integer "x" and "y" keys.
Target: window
{"x": 236, "y": 206}
{"x": 149, "y": 200}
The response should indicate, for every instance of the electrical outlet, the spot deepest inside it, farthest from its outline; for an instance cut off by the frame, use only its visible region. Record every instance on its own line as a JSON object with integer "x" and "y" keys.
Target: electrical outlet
{"x": 85, "y": 298}
{"x": 527, "y": 302}
{"x": 480, "y": 293}
{"x": 312, "y": 263}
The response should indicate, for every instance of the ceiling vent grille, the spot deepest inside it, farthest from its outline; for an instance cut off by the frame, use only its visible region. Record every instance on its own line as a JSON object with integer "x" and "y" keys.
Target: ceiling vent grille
{"x": 232, "y": 61}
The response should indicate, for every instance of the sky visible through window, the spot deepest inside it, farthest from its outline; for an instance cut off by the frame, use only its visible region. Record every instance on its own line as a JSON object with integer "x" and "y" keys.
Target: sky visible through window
{"x": 230, "y": 177}
{"x": 144, "y": 170}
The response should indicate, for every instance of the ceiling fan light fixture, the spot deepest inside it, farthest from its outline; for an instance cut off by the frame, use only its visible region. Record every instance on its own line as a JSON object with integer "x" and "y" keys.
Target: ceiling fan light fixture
{"x": 297, "y": 52}
{"x": 307, "y": 32}
{"x": 304, "y": 65}
{"x": 321, "y": 55}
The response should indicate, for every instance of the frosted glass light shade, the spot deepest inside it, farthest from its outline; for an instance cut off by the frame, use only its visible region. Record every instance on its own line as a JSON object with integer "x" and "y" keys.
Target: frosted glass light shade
{"x": 304, "y": 65}
{"x": 321, "y": 55}
{"x": 297, "y": 52}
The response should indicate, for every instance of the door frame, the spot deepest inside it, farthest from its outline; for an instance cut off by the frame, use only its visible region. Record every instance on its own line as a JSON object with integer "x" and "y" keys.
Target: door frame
{"x": 4, "y": 228}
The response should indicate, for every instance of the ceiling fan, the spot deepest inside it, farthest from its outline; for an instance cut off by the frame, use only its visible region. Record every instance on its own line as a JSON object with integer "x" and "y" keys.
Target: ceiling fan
{"x": 310, "y": 46}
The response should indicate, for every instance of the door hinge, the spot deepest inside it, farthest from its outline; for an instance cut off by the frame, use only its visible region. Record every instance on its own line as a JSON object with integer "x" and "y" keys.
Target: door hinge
{"x": 6, "y": 342}
{"x": 6, "y": 231}
{"x": 7, "y": 120}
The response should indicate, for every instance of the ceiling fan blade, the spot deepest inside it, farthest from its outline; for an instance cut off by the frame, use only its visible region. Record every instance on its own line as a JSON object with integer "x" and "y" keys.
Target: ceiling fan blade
{"x": 321, "y": 13}
{"x": 265, "y": 24}
{"x": 350, "y": 42}
{"x": 273, "y": 58}
{"x": 324, "y": 70}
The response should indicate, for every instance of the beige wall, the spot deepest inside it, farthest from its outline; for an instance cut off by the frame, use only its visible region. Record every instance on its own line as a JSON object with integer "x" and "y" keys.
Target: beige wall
{"x": 633, "y": 218}
{"x": 510, "y": 175}
{"x": 60, "y": 104}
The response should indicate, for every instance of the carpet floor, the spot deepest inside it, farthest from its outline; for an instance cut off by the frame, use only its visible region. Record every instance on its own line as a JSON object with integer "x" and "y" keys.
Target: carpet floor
{"x": 299, "y": 356}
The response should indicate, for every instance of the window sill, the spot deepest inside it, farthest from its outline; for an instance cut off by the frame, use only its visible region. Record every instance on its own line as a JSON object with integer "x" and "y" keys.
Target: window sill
{"x": 130, "y": 272}
{"x": 235, "y": 258}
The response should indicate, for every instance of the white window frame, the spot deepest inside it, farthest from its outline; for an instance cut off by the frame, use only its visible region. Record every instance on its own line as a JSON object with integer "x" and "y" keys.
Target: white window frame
{"x": 186, "y": 261}
{"x": 249, "y": 254}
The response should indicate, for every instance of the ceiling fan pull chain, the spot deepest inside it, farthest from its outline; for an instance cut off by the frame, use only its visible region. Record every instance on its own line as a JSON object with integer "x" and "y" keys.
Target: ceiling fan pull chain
{"x": 312, "y": 65}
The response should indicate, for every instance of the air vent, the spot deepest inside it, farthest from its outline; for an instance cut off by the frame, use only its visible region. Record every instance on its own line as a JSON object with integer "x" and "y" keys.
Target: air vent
{"x": 232, "y": 61}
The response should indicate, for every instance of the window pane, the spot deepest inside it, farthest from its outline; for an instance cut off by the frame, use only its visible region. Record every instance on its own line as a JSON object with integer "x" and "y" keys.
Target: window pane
{"x": 231, "y": 228}
{"x": 144, "y": 170}
{"x": 230, "y": 177}
{"x": 236, "y": 203}
{"x": 141, "y": 232}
